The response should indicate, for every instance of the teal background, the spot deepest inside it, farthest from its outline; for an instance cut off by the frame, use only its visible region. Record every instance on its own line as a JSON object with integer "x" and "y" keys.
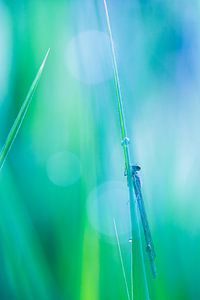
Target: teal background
{"x": 63, "y": 181}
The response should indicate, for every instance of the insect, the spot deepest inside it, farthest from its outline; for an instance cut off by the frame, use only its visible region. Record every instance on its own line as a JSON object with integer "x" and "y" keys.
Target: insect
{"x": 147, "y": 233}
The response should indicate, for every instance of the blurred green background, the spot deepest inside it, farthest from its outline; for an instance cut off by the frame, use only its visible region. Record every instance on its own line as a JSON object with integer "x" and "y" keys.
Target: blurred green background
{"x": 63, "y": 181}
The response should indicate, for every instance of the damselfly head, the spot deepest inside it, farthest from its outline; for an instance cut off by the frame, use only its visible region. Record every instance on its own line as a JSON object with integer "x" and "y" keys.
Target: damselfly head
{"x": 135, "y": 169}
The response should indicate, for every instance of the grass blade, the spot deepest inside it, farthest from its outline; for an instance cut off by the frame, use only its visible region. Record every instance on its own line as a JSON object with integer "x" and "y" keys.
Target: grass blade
{"x": 20, "y": 117}
{"x": 121, "y": 260}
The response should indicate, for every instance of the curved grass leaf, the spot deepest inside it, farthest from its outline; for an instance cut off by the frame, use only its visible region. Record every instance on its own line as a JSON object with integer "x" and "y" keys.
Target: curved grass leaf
{"x": 20, "y": 117}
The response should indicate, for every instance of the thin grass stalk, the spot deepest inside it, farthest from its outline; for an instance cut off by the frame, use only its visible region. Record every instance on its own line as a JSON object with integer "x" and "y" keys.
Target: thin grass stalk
{"x": 137, "y": 252}
{"x": 121, "y": 260}
{"x": 21, "y": 114}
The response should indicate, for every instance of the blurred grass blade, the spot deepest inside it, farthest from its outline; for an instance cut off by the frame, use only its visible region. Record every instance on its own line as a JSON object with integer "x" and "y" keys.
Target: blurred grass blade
{"x": 121, "y": 260}
{"x": 20, "y": 117}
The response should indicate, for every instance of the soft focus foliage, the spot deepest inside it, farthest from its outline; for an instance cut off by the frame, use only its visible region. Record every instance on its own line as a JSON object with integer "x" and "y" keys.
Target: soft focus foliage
{"x": 66, "y": 165}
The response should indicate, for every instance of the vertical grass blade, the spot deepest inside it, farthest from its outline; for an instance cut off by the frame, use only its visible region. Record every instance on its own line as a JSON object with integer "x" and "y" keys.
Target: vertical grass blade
{"x": 121, "y": 260}
{"x": 137, "y": 251}
{"x": 20, "y": 117}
